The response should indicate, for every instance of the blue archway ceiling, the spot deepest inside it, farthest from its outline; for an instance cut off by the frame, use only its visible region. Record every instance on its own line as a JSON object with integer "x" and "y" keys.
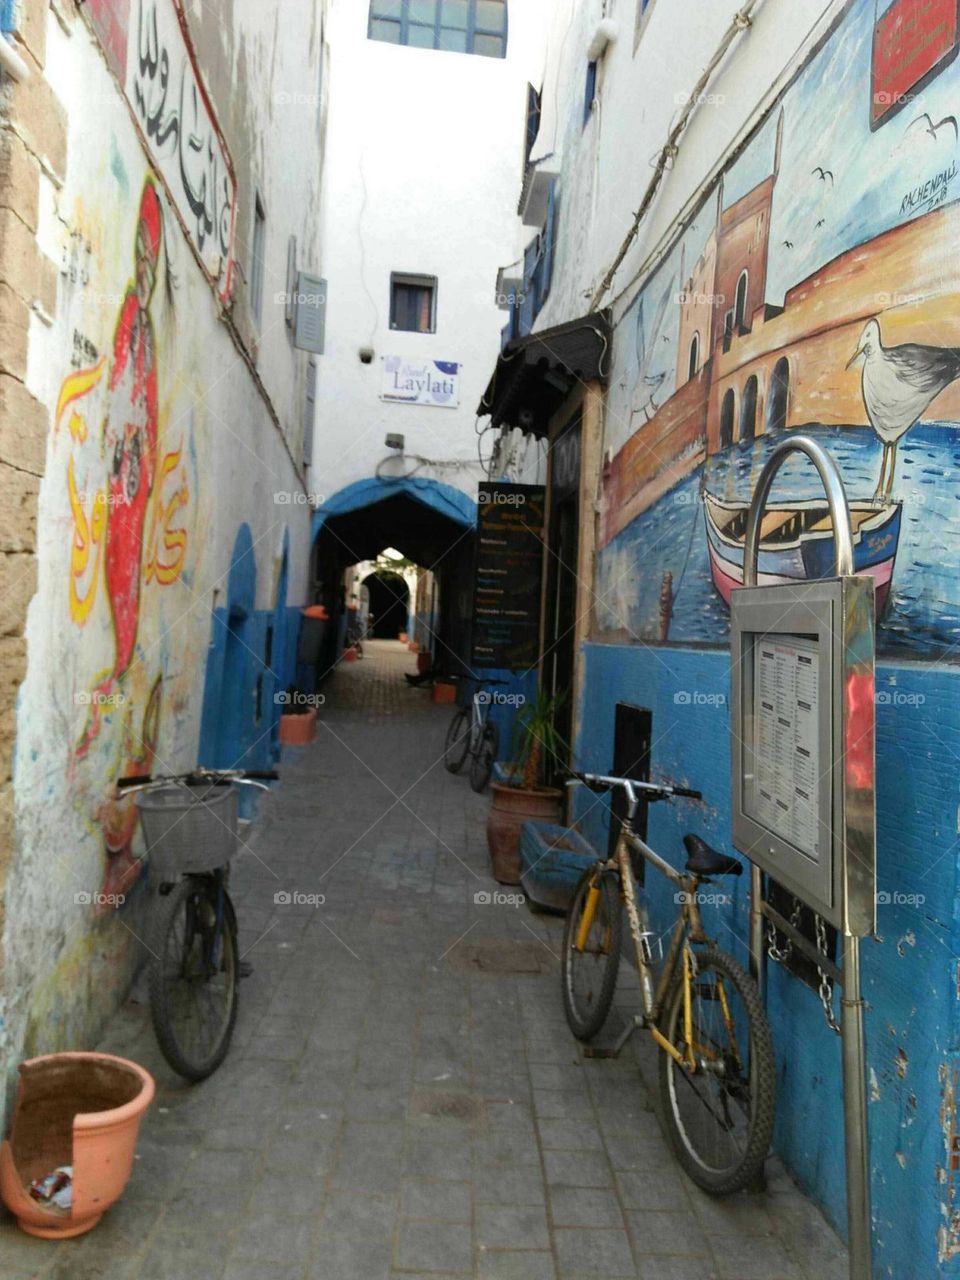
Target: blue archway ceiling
{"x": 422, "y": 518}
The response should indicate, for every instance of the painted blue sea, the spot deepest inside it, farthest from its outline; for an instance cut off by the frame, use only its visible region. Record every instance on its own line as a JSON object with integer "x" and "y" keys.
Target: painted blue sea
{"x": 923, "y": 612}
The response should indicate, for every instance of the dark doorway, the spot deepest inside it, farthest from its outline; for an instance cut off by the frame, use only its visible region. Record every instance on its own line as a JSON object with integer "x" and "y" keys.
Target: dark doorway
{"x": 561, "y": 598}
{"x": 748, "y": 410}
{"x": 726, "y": 420}
{"x": 779, "y": 391}
{"x": 389, "y": 605}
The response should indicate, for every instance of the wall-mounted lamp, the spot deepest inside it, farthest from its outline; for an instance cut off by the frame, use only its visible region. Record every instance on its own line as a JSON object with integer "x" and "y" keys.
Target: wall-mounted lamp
{"x": 366, "y": 355}
{"x": 394, "y": 440}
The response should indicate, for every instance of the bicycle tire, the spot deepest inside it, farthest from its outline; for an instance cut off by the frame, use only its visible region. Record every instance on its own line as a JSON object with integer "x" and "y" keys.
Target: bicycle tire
{"x": 586, "y": 1022}
{"x": 485, "y": 757}
{"x": 192, "y": 892}
{"x": 456, "y": 745}
{"x": 761, "y": 1074}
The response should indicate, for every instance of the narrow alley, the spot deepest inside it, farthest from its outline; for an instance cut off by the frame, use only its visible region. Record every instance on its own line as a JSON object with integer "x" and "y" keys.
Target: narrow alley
{"x": 403, "y": 1096}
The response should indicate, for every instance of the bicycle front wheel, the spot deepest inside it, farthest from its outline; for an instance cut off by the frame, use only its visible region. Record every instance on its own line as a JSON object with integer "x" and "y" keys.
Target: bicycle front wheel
{"x": 485, "y": 757}
{"x": 194, "y": 975}
{"x": 591, "y": 952}
{"x": 457, "y": 742}
{"x": 720, "y": 1112}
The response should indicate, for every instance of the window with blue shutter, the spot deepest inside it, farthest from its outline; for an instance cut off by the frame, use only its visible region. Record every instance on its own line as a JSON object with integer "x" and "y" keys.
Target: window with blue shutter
{"x": 590, "y": 92}
{"x": 549, "y": 243}
{"x": 8, "y": 16}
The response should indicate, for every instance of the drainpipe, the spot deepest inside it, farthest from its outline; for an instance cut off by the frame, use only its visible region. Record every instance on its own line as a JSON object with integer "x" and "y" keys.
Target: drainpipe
{"x": 11, "y": 62}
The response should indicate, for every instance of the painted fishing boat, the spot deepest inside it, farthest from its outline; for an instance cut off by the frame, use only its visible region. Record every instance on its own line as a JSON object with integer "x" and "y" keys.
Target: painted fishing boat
{"x": 796, "y": 542}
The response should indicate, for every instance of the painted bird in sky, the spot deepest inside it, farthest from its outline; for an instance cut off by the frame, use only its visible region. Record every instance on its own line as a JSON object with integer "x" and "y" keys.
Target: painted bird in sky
{"x": 823, "y": 174}
{"x": 898, "y": 385}
{"x": 933, "y": 129}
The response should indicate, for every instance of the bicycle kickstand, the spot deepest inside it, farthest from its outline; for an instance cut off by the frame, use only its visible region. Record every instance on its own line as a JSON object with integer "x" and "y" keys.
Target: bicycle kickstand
{"x": 636, "y": 1023}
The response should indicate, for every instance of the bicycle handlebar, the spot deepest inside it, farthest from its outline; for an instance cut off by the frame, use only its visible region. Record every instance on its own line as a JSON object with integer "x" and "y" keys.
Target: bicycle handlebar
{"x": 652, "y": 790}
{"x": 255, "y": 777}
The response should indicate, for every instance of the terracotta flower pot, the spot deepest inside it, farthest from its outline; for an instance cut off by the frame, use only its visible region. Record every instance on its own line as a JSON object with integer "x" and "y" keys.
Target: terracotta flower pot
{"x": 298, "y": 730}
{"x": 444, "y": 695}
{"x": 510, "y": 809}
{"x": 77, "y": 1109}
{"x": 402, "y": 637}
{"x": 350, "y": 655}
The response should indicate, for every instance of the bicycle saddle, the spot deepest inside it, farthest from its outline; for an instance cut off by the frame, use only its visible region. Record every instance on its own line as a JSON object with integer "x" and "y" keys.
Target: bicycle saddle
{"x": 704, "y": 861}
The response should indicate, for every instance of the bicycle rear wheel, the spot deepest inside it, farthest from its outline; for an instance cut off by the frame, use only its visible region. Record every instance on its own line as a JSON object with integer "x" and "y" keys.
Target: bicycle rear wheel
{"x": 457, "y": 742}
{"x": 485, "y": 757}
{"x": 589, "y": 971}
{"x": 720, "y": 1115}
{"x": 194, "y": 975}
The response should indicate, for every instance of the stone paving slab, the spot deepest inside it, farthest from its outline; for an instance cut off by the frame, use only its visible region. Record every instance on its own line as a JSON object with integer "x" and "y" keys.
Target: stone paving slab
{"x": 389, "y": 1109}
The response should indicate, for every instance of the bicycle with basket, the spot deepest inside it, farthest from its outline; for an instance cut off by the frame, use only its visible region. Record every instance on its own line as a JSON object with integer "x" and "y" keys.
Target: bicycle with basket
{"x": 190, "y": 826}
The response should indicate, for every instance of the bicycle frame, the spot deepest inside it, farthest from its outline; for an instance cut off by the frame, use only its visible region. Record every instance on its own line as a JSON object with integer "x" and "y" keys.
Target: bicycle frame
{"x": 687, "y": 929}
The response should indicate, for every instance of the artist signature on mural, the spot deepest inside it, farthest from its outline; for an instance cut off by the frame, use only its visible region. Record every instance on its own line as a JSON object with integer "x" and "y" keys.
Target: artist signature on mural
{"x": 930, "y": 194}
{"x": 189, "y": 150}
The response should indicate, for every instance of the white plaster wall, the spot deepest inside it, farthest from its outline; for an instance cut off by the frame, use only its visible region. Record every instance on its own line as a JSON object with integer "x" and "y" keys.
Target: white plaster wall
{"x": 422, "y": 174}
{"x": 607, "y": 165}
{"x": 65, "y": 965}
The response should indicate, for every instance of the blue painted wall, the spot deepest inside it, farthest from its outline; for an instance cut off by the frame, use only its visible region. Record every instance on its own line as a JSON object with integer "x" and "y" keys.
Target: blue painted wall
{"x": 910, "y": 977}
{"x": 239, "y": 727}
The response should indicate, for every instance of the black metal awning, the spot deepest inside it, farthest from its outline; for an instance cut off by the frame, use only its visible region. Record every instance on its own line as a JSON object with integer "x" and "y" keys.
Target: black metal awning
{"x": 535, "y": 374}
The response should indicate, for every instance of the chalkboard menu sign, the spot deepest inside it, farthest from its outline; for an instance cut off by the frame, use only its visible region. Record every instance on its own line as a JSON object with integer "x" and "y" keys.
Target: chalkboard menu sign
{"x": 506, "y": 598}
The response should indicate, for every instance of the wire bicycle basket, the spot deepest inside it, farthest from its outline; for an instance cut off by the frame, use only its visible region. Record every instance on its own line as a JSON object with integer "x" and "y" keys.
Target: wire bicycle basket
{"x": 189, "y": 827}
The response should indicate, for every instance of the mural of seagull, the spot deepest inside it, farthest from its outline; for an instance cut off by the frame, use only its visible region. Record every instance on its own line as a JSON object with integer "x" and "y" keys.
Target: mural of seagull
{"x": 898, "y": 385}
{"x": 649, "y": 383}
{"x": 788, "y": 244}
{"x": 823, "y": 174}
{"x": 821, "y": 223}
{"x": 933, "y": 129}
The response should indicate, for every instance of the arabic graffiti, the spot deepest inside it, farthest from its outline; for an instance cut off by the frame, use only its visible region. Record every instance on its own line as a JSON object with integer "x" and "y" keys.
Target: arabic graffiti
{"x": 181, "y": 132}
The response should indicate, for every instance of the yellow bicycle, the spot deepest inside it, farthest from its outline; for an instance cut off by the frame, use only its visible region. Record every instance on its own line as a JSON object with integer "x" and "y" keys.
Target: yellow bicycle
{"x": 717, "y": 1077}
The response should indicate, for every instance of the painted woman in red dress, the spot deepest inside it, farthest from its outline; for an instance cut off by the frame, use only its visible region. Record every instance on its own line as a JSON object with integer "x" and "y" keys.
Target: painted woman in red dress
{"x": 130, "y": 444}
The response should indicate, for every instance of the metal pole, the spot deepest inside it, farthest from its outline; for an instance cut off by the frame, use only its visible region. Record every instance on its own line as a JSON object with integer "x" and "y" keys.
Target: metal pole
{"x": 851, "y": 1003}
{"x": 855, "y": 1114}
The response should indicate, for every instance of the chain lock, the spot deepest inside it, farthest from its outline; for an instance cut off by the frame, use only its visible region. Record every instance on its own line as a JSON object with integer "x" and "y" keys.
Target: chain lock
{"x": 782, "y": 954}
{"x": 826, "y": 987}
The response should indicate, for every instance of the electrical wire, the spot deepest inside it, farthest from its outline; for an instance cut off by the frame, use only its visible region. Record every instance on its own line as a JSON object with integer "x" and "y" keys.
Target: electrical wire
{"x": 742, "y": 21}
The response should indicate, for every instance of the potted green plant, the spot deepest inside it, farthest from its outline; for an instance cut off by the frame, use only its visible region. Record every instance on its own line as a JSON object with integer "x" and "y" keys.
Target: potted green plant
{"x": 523, "y": 797}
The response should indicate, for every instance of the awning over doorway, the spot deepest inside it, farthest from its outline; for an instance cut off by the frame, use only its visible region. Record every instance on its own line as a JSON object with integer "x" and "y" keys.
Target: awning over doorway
{"x": 535, "y": 374}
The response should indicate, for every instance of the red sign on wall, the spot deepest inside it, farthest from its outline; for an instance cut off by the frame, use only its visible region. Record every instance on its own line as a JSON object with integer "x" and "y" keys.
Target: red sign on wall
{"x": 912, "y": 42}
{"x": 111, "y": 21}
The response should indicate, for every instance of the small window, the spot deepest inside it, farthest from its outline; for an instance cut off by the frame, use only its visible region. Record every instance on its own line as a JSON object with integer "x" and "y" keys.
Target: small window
{"x": 590, "y": 93}
{"x": 694, "y": 356}
{"x": 643, "y": 8}
{"x": 309, "y": 413}
{"x": 413, "y": 303}
{"x": 740, "y": 304}
{"x": 256, "y": 263}
{"x": 456, "y": 26}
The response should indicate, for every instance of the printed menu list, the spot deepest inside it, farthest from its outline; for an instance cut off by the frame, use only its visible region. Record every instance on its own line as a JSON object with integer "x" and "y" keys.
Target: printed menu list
{"x": 786, "y": 790}
{"x": 506, "y": 602}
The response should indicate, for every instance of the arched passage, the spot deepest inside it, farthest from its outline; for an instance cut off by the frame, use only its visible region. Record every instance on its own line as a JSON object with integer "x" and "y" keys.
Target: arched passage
{"x": 429, "y": 523}
{"x": 748, "y": 409}
{"x": 779, "y": 393}
{"x": 727, "y": 412}
{"x": 389, "y": 604}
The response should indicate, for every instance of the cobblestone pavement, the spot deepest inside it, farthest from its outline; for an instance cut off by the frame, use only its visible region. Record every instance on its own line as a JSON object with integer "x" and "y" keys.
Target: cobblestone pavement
{"x": 403, "y": 1097}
